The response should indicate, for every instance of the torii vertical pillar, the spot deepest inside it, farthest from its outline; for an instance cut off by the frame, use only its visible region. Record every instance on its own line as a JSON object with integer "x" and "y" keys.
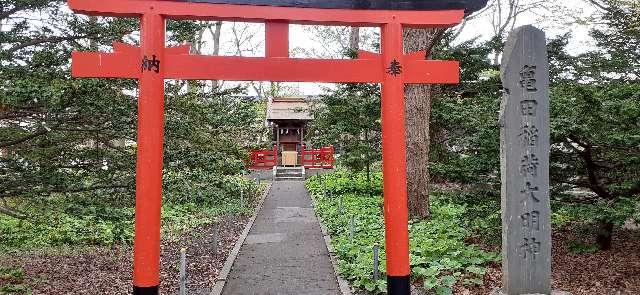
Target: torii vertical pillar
{"x": 146, "y": 258}
{"x": 394, "y": 162}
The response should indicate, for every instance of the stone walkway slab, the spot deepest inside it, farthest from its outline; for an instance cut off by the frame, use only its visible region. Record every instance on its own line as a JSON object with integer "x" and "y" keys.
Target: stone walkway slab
{"x": 285, "y": 252}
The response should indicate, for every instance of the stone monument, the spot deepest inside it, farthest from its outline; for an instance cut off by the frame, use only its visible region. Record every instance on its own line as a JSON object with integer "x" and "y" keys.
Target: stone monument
{"x": 524, "y": 161}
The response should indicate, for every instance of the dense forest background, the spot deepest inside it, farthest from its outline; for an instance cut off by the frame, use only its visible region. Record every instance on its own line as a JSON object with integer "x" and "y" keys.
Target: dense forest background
{"x": 68, "y": 145}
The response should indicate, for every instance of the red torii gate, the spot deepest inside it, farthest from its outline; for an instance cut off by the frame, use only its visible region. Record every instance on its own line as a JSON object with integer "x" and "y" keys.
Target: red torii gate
{"x": 152, "y": 62}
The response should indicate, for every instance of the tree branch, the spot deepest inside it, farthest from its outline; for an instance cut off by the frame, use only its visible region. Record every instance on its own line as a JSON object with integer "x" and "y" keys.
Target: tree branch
{"x": 90, "y": 188}
{"x": 26, "y": 138}
{"x": 437, "y": 35}
{"x": 6, "y": 14}
{"x": 12, "y": 213}
{"x": 598, "y": 4}
{"x": 39, "y": 41}
{"x": 595, "y": 181}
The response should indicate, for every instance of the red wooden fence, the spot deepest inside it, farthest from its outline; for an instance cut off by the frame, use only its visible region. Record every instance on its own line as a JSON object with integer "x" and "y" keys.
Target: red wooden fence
{"x": 264, "y": 159}
{"x": 321, "y": 158}
{"x": 317, "y": 158}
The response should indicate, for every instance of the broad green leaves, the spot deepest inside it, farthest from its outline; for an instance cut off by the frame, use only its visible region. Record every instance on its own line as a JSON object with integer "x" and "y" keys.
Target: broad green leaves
{"x": 440, "y": 257}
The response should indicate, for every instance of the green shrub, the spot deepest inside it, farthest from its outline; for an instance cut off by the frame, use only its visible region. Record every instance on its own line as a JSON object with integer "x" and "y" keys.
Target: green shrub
{"x": 12, "y": 281}
{"x": 189, "y": 200}
{"x": 440, "y": 257}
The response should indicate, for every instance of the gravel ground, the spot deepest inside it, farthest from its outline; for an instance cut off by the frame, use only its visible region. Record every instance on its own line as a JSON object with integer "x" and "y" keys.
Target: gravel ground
{"x": 99, "y": 270}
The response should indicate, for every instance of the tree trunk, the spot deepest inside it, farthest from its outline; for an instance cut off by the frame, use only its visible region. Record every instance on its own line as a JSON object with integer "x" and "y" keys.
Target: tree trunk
{"x": 196, "y": 48}
{"x": 605, "y": 234}
{"x": 216, "y": 33}
{"x": 354, "y": 40}
{"x": 418, "y": 113}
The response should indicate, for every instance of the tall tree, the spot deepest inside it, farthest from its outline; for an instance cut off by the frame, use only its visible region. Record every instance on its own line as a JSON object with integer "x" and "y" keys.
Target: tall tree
{"x": 419, "y": 98}
{"x": 596, "y": 140}
{"x": 349, "y": 118}
{"x": 65, "y": 136}
{"x": 418, "y": 113}
{"x": 60, "y": 133}
{"x": 594, "y": 123}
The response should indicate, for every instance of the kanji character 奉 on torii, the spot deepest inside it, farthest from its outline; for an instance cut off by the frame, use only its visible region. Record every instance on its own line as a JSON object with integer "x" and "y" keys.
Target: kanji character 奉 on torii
{"x": 152, "y": 62}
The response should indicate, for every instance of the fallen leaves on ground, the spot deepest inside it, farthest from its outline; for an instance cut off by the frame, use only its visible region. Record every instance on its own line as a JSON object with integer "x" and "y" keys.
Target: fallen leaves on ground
{"x": 103, "y": 270}
{"x": 613, "y": 272}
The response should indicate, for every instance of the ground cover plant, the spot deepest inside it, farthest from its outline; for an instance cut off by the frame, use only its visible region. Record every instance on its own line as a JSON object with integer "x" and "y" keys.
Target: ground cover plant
{"x": 83, "y": 220}
{"x": 440, "y": 254}
{"x": 12, "y": 281}
{"x": 67, "y": 236}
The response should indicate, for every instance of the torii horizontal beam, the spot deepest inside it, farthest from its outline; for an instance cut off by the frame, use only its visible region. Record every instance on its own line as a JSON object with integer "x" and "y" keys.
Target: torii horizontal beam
{"x": 469, "y": 6}
{"x": 178, "y": 64}
{"x": 248, "y": 13}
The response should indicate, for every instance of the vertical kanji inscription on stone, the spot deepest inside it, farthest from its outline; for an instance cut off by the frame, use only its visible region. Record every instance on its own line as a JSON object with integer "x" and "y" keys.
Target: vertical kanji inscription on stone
{"x": 524, "y": 159}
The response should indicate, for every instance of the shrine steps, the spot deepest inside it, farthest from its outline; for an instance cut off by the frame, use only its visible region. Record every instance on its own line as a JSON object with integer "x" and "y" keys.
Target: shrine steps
{"x": 289, "y": 173}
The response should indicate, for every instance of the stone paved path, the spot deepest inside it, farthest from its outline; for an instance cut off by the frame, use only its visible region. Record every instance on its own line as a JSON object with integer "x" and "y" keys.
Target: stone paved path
{"x": 284, "y": 252}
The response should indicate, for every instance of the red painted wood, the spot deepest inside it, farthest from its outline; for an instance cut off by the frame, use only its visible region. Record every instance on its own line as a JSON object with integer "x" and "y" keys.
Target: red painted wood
{"x": 363, "y": 54}
{"x": 469, "y": 6}
{"x": 264, "y": 159}
{"x": 206, "y": 11}
{"x": 176, "y": 63}
{"x": 393, "y": 157}
{"x": 105, "y": 65}
{"x": 431, "y": 71}
{"x": 146, "y": 257}
{"x": 277, "y": 39}
{"x": 418, "y": 55}
{"x": 177, "y": 50}
{"x": 321, "y": 158}
{"x": 272, "y": 69}
{"x": 200, "y": 67}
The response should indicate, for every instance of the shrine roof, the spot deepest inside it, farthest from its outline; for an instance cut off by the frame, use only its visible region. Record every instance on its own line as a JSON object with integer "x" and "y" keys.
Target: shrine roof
{"x": 288, "y": 108}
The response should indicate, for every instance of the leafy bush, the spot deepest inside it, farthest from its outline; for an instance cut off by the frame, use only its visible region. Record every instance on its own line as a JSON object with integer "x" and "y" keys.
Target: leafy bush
{"x": 57, "y": 220}
{"x": 12, "y": 281}
{"x": 190, "y": 200}
{"x": 580, "y": 247}
{"x": 440, "y": 257}
{"x": 343, "y": 181}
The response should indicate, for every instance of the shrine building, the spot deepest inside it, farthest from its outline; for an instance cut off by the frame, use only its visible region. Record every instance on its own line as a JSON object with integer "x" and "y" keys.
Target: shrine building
{"x": 288, "y": 119}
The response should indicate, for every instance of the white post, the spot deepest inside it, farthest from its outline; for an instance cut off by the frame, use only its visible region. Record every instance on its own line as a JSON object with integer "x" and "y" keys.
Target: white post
{"x": 351, "y": 229}
{"x": 275, "y": 171}
{"x": 376, "y": 262}
{"x": 183, "y": 271}
{"x": 241, "y": 196}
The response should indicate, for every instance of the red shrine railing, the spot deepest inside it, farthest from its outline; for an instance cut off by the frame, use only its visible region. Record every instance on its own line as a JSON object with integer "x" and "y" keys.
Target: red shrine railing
{"x": 321, "y": 158}
{"x": 264, "y": 159}
{"x": 317, "y": 158}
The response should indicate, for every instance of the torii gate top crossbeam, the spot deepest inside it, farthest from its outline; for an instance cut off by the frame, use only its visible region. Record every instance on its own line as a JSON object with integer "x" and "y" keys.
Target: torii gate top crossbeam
{"x": 248, "y": 13}
{"x": 177, "y": 63}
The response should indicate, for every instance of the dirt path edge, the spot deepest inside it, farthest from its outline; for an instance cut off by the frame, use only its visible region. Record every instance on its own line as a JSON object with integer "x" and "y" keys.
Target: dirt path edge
{"x": 228, "y": 264}
{"x": 345, "y": 288}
